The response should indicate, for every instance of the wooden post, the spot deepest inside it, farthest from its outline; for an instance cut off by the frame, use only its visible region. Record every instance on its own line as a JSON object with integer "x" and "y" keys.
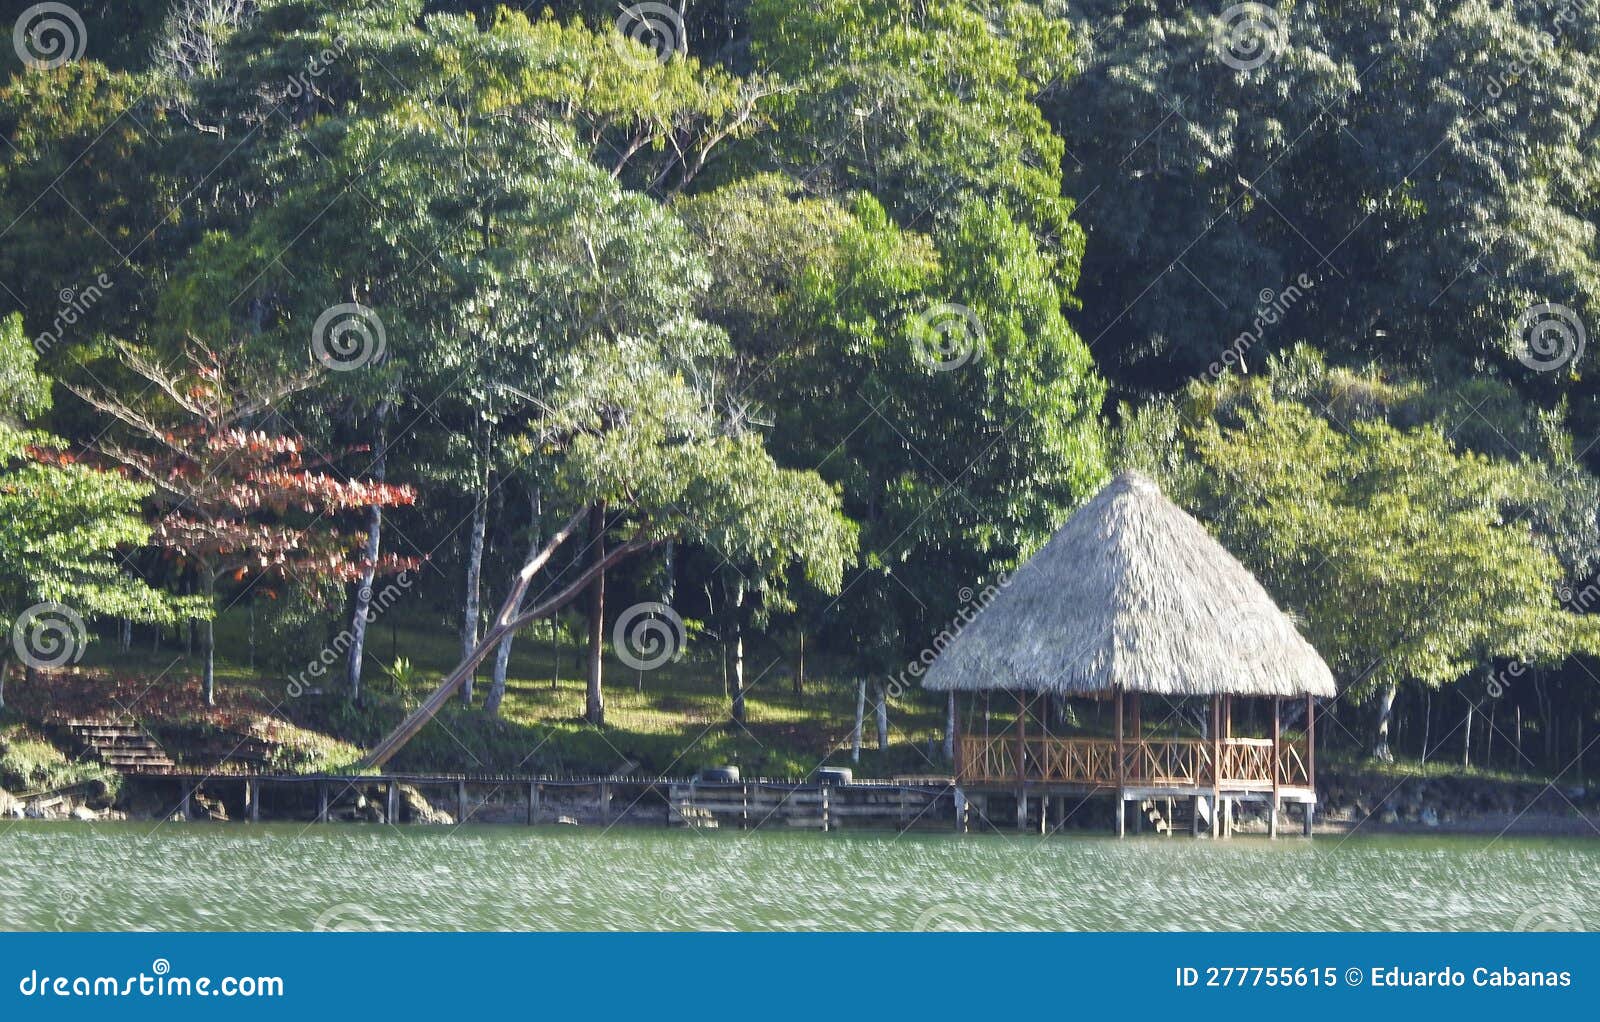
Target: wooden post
{"x": 461, "y": 802}
{"x": 1216, "y": 766}
{"x": 1194, "y": 824}
{"x": 1277, "y": 764}
{"x": 322, "y": 801}
{"x": 252, "y": 799}
{"x": 1122, "y": 805}
{"x": 391, "y": 813}
{"x": 533, "y": 802}
{"x": 955, "y": 737}
{"x": 1310, "y": 807}
{"x": 1311, "y": 743}
{"x": 184, "y": 805}
{"x": 1022, "y": 763}
{"x": 605, "y": 801}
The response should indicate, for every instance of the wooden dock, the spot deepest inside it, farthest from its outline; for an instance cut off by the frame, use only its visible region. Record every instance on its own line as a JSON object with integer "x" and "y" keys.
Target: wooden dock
{"x": 923, "y": 803}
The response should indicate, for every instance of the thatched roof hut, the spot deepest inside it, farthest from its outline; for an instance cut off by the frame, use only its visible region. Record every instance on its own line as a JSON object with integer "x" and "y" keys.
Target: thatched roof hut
{"x": 1132, "y": 594}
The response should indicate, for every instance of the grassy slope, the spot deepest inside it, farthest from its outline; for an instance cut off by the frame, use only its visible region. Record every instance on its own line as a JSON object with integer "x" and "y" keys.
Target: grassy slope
{"x": 673, "y": 720}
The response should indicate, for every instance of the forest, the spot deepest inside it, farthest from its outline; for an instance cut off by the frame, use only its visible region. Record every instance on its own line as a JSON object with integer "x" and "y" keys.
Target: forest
{"x": 751, "y": 341}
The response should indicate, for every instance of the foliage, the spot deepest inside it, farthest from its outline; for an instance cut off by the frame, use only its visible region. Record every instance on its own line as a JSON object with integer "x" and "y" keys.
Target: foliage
{"x": 1407, "y": 557}
{"x": 64, "y": 525}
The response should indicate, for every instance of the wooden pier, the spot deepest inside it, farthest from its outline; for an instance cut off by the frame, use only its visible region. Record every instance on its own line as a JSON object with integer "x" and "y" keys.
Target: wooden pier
{"x": 905, "y": 803}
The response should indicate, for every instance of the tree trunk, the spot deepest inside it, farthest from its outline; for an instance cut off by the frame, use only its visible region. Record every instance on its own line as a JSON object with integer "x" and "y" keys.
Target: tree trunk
{"x": 861, "y": 712}
{"x": 502, "y": 654}
{"x": 950, "y": 727}
{"x": 369, "y": 571}
{"x": 883, "y": 718}
{"x": 1380, "y": 747}
{"x": 736, "y": 651}
{"x": 470, "y": 606}
{"x": 1466, "y": 740}
{"x": 208, "y": 642}
{"x": 5, "y": 669}
{"x": 594, "y": 710}
{"x": 800, "y": 669}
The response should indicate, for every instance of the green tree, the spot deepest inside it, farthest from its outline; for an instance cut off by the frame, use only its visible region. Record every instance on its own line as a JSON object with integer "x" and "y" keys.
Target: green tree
{"x": 1409, "y": 558}
{"x": 62, "y": 526}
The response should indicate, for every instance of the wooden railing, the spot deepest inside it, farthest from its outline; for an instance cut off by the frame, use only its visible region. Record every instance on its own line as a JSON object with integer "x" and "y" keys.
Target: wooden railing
{"x": 1162, "y": 762}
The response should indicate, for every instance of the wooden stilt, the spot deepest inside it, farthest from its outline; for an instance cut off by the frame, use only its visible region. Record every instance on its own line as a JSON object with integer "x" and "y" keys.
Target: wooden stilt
{"x": 1309, "y": 807}
{"x": 391, "y": 812}
{"x": 1216, "y": 766}
{"x": 961, "y": 810}
{"x": 1277, "y": 765}
{"x": 322, "y": 801}
{"x": 1122, "y": 804}
{"x": 461, "y": 801}
{"x": 605, "y": 801}
{"x": 533, "y": 802}
{"x": 1194, "y": 824}
{"x": 252, "y": 800}
{"x": 185, "y": 806}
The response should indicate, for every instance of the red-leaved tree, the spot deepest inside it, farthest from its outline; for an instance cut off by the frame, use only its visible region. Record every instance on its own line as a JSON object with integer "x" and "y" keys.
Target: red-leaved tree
{"x": 236, "y": 497}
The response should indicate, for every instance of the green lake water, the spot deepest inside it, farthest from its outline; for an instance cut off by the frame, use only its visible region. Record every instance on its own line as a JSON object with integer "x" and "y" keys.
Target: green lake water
{"x": 148, "y": 876}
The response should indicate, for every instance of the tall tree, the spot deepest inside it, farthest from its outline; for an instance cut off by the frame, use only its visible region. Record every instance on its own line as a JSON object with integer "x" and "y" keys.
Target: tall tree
{"x": 63, "y": 528}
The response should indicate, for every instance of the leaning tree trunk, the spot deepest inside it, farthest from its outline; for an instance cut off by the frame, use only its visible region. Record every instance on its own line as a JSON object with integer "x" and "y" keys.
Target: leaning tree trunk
{"x": 369, "y": 571}
{"x": 594, "y": 706}
{"x": 5, "y": 669}
{"x": 1380, "y": 745}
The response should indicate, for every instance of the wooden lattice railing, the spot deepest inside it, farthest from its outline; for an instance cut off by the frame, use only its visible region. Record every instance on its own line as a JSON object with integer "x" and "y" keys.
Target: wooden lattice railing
{"x": 1175, "y": 762}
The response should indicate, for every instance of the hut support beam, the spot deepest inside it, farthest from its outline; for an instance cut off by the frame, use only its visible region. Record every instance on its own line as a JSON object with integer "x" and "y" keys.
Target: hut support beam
{"x": 1216, "y": 766}
{"x": 1277, "y": 765}
{"x": 1122, "y": 791}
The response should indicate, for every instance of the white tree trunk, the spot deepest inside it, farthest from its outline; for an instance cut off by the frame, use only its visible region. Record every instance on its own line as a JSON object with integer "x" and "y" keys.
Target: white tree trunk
{"x": 470, "y": 609}
{"x": 1380, "y": 748}
{"x": 861, "y": 712}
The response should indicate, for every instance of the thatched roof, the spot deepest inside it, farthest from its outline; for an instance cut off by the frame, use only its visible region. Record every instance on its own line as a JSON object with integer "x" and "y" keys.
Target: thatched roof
{"x": 1131, "y": 591}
